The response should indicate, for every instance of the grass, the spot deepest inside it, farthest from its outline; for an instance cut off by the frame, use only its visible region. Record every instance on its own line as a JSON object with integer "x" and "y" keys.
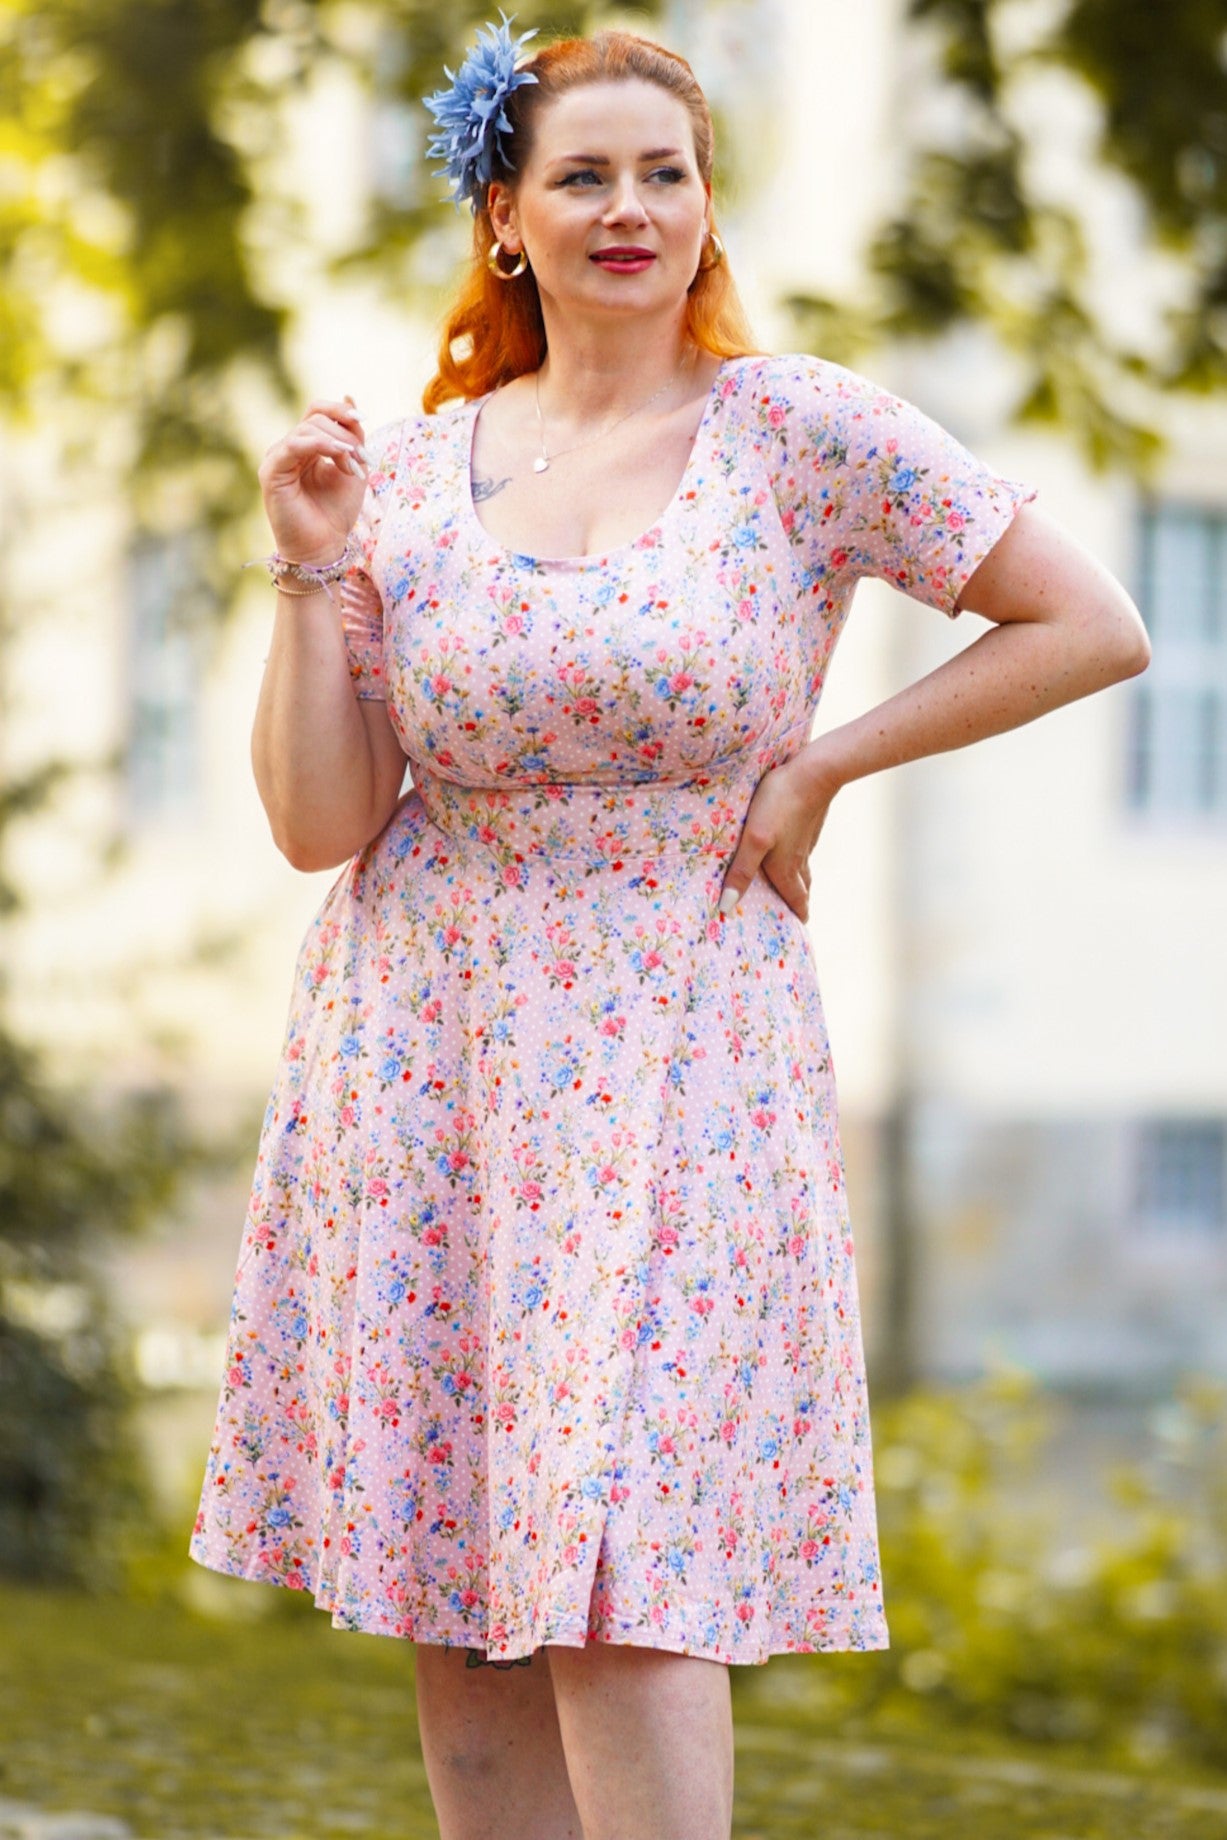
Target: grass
{"x": 252, "y": 1723}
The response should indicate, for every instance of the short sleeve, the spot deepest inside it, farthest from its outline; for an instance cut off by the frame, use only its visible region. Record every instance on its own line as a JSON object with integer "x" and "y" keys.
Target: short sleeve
{"x": 360, "y": 594}
{"x": 867, "y": 484}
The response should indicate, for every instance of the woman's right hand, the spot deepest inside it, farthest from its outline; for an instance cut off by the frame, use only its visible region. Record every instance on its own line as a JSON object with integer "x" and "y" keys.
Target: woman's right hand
{"x": 314, "y": 481}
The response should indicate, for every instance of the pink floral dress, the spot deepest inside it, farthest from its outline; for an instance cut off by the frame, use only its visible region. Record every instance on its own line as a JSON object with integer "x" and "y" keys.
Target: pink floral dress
{"x": 545, "y": 1325}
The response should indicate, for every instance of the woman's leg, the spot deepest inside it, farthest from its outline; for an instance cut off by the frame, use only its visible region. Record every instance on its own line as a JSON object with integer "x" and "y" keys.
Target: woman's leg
{"x": 649, "y": 1741}
{"x": 492, "y": 1749}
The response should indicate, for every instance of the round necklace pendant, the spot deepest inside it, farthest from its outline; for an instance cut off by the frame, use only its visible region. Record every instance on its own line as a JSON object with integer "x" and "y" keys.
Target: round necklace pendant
{"x": 540, "y": 464}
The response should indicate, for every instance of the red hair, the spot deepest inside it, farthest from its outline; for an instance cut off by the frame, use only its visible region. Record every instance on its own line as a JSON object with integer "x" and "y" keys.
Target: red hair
{"x": 493, "y": 330}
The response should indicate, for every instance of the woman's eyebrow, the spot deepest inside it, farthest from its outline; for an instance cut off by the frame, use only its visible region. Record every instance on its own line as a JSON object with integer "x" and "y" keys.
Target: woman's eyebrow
{"x": 599, "y": 159}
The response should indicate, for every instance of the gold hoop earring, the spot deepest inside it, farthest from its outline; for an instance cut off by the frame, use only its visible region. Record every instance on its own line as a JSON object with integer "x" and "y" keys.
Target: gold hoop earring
{"x": 717, "y": 257}
{"x": 496, "y": 268}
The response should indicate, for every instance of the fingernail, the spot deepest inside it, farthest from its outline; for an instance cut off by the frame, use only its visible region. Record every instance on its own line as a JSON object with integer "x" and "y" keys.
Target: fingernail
{"x": 363, "y": 455}
{"x": 729, "y": 899}
{"x": 352, "y": 463}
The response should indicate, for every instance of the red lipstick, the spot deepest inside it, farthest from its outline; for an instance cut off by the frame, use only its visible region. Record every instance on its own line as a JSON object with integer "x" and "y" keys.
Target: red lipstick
{"x": 623, "y": 258}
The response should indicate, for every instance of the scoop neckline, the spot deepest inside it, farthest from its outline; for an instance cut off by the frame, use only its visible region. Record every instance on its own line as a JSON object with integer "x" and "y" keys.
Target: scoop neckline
{"x": 594, "y": 558}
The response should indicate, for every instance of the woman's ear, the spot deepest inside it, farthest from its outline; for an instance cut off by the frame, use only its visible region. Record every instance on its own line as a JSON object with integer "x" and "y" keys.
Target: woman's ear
{"x": 500, "y": 203}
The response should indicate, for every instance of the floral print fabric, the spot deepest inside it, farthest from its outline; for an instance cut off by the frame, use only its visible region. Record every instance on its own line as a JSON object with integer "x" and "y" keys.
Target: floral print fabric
{"x": 545, "y": 1324}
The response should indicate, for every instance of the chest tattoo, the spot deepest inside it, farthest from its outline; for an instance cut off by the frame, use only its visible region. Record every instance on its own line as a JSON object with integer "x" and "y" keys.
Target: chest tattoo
{"x": 486, "y": 488}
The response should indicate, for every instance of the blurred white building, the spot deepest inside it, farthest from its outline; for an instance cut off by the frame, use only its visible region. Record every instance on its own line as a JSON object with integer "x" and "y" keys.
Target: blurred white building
{"x": 1020, "y": 944}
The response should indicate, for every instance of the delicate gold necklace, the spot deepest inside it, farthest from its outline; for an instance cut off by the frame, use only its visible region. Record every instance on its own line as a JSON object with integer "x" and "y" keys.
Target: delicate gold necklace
{"x": 541, "y": 463}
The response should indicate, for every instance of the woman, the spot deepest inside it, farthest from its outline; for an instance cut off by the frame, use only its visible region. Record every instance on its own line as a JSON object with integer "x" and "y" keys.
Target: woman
{"x": 546, "y": 1350}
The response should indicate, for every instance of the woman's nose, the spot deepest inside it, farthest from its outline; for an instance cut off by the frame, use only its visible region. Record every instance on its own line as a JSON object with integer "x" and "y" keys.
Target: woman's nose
{"x": 625, "y": 204}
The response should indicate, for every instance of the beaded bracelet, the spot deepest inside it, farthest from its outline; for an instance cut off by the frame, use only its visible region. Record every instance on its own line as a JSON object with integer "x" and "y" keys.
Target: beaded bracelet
{"x": 316, "y": 575}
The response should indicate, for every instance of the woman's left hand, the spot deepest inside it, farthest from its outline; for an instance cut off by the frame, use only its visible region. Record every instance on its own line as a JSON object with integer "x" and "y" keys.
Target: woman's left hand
{"x": 781, "y": 827}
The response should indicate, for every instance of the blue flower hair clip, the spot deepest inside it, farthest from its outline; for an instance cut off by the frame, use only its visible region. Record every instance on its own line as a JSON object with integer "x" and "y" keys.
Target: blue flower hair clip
{"x": 470, "y": 115}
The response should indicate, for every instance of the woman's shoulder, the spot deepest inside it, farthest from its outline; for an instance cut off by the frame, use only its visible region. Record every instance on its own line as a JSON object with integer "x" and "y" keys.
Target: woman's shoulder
{"x": 775, "y": 383}
{"x": 412, "y": 435}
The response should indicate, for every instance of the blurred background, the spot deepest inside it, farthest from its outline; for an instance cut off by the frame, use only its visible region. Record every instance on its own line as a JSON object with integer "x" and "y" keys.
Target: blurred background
{"x": 1013, "y": 212}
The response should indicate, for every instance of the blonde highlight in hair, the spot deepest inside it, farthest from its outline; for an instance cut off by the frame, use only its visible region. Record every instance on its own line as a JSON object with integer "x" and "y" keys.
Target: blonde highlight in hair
{"x": 494, "y": 330}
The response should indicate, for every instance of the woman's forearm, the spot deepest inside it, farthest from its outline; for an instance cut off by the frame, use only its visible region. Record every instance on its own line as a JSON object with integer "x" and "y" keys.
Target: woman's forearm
{"x": 1009, "y": 675}
{"x": 310, "y": 751}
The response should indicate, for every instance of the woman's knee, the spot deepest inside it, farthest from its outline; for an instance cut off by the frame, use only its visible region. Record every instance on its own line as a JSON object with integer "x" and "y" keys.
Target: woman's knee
{"x": 471, "y": 1716}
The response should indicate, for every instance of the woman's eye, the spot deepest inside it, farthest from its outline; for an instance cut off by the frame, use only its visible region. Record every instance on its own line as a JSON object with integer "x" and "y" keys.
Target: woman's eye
{"x": 671, "y": 175}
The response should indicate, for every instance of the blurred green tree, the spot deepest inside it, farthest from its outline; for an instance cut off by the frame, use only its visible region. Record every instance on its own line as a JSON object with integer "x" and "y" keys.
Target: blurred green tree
{"x": 71, "y": 1488}
{"x": 118, "y": 195}
{"x": 981, "y": 235}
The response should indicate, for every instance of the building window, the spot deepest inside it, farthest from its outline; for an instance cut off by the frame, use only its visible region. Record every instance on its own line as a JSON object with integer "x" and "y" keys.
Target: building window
{"x": 162, "y": 756}
{"x": 1180, "y": 1182}
{"x": 1177, "y": 756}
